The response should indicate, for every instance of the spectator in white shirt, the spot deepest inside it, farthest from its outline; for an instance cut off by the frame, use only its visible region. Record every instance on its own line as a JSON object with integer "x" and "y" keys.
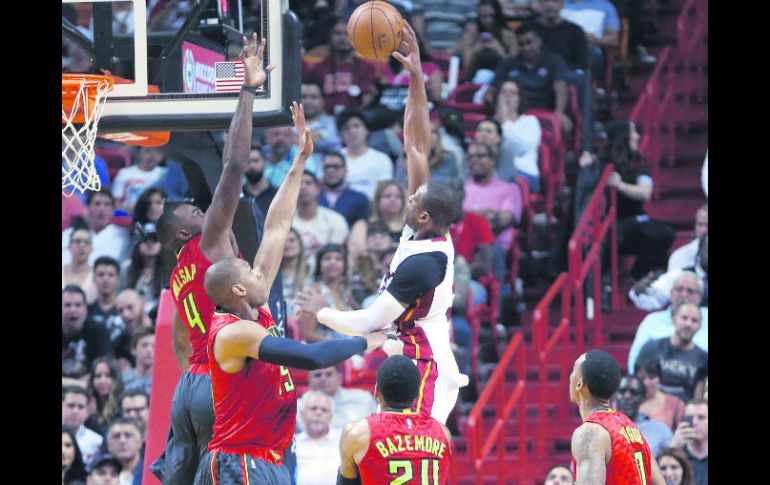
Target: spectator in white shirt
{"x": 131, "y": 181}
{"x": 106, "y": 239}
{"x": 74, "y": 412}
{"x": 366, "y": 166}
{"x": 317, "y": 447}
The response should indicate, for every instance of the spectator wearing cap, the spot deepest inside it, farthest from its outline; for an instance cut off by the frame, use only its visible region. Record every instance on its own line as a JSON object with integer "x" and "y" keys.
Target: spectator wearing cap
{"x": 336, "y": 193}
{"x": 142, "y": 272}
{"x": 107, "y": 238}
{"x": 104, "y": 469}
{"x": 317, "y": 225}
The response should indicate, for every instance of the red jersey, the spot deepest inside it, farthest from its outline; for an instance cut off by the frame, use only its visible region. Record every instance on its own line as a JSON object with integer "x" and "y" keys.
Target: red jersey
{"x": 405, "y": 448}
{"x": 194, "y": 307}
{"x": 471, "y": 232}
{"x": 630, "y": 463}
{"x": 255, "y": 409}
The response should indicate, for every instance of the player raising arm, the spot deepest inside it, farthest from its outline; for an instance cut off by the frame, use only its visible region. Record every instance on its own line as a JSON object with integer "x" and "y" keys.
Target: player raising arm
{"x": 254, "y": 396}
{"x": 199, "y": 240}
{"x": 416, "y": 292}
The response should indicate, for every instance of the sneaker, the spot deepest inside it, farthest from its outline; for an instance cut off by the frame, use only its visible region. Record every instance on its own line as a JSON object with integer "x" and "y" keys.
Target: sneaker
{"x": 640, "y": 52}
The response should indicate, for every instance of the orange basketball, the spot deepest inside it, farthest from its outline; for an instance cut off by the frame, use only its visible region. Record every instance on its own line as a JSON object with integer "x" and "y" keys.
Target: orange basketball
{"x": 375, "y": 29}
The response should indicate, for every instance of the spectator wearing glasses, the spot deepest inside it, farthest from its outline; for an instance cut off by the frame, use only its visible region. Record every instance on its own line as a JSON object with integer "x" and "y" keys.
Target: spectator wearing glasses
{"x": 337, "y": 195}
{"x": 628, "y": 399}
{"x": 687, "y": 288}
{"x": 500, "y": 202}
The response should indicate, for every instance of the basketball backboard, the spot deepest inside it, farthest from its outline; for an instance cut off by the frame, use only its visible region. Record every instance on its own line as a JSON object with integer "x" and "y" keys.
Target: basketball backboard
{"x": 170, "y": 59}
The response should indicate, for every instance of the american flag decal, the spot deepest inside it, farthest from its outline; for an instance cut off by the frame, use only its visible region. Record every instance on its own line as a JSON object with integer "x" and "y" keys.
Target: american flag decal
{"x": 229, "y": 77}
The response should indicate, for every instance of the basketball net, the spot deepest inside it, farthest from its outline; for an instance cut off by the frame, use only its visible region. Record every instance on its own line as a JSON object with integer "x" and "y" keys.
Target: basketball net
{"x": 83, "y": 101}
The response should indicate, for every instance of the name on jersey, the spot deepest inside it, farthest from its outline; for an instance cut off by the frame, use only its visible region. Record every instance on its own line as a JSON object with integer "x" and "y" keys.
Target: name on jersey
{"x": 410, "y": 443}
{"x": 181, "y": 278}
{"x": 632, "y": 434}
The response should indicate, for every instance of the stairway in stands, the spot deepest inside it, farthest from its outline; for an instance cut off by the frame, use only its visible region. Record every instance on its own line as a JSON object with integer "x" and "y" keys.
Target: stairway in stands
{"x": 678, "y": 196}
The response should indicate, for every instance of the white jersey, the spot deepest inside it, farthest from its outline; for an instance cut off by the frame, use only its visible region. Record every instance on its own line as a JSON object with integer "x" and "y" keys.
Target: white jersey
{"x": 425, "y": 326}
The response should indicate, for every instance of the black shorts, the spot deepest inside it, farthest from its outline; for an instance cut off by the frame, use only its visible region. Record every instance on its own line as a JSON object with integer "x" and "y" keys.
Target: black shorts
{"x": 239, "y": 469}
{"x": 192, "y": 422}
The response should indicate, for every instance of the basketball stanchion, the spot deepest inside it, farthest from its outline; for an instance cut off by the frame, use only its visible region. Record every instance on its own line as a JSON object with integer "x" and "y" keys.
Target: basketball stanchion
{"x": 83, "y": 101}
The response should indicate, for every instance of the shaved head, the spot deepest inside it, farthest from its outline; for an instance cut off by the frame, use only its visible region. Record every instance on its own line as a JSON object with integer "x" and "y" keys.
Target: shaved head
{"x": 222, "y": 276}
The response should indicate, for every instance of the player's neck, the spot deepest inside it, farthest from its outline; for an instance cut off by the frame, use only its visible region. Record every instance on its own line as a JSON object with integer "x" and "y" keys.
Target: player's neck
{"x": 428, "y": 233}
{"x": 242, "y": 310}
{"x": 587, "y": 408}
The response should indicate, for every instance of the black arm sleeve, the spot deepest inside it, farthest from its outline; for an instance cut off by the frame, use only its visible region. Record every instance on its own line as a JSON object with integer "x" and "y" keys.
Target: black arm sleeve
{"x": 348, "y": 481}
{"x": 416, "y": 275}
{"x": 284, "y": 351}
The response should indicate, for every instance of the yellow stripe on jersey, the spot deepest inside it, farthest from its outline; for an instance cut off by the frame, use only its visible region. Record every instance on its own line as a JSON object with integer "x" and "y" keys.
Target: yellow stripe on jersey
{"x": 416, "y": 347}
{"x": 422, "y": 385}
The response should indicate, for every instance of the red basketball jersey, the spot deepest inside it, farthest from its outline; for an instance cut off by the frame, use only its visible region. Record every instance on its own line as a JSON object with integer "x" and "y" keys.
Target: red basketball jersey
{"x": 194, "y": 307}
{"x": 256, "y": 407}
{"x": 405, "y": 448}
{"x": 630, "y": 463}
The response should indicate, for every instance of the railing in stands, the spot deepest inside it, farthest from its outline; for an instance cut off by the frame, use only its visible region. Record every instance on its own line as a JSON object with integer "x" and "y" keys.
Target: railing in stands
{"x": 481, "y": 441}
{"x": 598, "y": 219}
{"x": 546, "y": 346}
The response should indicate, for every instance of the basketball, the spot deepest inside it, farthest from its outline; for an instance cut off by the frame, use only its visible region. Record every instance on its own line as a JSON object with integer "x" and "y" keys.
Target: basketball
{"x": 375, "y": 29}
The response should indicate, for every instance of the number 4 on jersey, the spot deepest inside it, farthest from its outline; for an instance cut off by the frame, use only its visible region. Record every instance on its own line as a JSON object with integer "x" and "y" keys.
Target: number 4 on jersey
{"x": 192, "y": 314}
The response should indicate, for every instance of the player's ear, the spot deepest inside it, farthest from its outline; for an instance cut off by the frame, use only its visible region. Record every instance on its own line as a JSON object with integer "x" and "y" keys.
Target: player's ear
{"x": 239, "y": 290}
{"x": 183, "y": 235}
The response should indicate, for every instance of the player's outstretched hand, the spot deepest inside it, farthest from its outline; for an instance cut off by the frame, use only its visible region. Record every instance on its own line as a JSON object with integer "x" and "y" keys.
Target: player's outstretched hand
{"x": 253, "y": 73}
{"x": 410, "y": 57}
{"x": 304, "y": 137}
{"x": 310, "y": 302}
{"x": 375, "y": 340}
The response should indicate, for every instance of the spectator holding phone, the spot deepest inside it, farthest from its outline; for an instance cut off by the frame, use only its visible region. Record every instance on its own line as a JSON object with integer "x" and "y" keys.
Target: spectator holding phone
{"x": 692, "y": 436}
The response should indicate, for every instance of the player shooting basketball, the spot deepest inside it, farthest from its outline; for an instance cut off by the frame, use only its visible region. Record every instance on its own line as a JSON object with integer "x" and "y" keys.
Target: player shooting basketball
{"x": 416, "y": 292}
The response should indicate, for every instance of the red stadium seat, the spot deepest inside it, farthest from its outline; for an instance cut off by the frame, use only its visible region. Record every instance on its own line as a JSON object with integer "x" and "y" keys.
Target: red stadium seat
{"x": 462, "y": 98}
{"x": 470, "y": 122}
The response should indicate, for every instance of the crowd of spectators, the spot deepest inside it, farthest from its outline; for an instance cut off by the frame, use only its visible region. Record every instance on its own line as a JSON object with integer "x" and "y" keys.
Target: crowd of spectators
{"x": 519, "y": 55}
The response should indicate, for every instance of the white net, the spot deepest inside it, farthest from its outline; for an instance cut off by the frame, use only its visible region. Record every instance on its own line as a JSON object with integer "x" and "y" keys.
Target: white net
{"x": 78, "y": 135}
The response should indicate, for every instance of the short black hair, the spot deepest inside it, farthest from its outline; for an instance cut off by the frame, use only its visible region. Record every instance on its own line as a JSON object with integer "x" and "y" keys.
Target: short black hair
{"x": 139, "y": 334}
{"x": 440, "y": 201}
{"x": 333, "y": 153}
{"x": 349, "y": 114}
{"x": 651, "y": 365}
{"x": 108, "y": 261}
{"x": 526, "y": 28}
{"x": 74, "y": 289}
{"x": 74, "y": 389}
{"x": 399, "y": 381}
{"x": 103, "y": 191}
{"x": 311, "y": 174}
{"x": 314, "y": 83}
{"x": 133, "y": 392}
{"x": 601, "y": 373}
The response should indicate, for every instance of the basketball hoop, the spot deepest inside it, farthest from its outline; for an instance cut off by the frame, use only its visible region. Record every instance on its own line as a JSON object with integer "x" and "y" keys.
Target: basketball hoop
{"x": 83, "y": 97}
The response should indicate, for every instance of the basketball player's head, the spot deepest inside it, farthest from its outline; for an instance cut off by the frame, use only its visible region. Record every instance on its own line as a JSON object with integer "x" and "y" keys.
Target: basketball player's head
{"x": 595, "y": 377}
{"x": 178, "y": 224}
{"x": 432, "y": 208}
{"x": 233, "y": 280}
{"x": 398, "y": 382}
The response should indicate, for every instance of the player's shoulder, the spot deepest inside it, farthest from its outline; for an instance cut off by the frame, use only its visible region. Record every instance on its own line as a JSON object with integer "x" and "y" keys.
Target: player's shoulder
{"x": 356, "y": 434}
{"x": 590, "y": 434}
